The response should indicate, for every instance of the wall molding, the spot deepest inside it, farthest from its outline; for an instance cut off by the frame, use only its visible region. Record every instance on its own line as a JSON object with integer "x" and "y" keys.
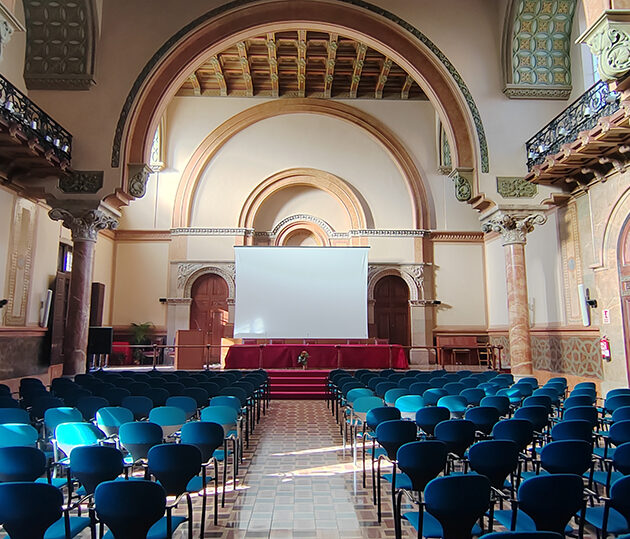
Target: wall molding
{"x": 142, "y": 235}
{"x": 456, "y": 237}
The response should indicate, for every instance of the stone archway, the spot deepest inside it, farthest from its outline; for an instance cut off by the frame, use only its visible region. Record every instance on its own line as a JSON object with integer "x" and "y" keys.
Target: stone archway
{"x": 378, "y": 28}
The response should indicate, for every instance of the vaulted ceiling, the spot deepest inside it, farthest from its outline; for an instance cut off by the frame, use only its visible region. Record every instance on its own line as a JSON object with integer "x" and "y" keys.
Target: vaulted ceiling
{"x": 301, "y": 63}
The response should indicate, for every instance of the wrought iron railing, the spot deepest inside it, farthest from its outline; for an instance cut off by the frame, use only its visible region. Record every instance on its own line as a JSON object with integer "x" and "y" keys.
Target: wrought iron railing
{"x": 597, "y": 102}
{"x": 15, "y": 107}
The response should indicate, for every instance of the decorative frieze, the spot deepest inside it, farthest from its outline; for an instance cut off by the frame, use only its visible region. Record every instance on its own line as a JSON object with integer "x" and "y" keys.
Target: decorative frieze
{"x": 81, "y": 181}
{"x": 393, "y": 233}
{"x": 514, "y": 187}
{"x": 207, "y": 231}
{"x": 84, "y": 226}
{"x": 609, "y": 41}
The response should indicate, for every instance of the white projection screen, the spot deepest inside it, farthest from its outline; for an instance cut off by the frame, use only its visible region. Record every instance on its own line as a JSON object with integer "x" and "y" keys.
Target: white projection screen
{"x": 301, "y": 292}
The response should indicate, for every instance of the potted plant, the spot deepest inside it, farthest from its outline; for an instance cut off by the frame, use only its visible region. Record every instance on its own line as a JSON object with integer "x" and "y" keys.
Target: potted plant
{"x": 140, "y": 334}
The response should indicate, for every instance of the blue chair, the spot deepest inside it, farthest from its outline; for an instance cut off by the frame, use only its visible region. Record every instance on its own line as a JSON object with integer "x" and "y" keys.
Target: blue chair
{"x": 585, "y": 413}
{"x": 392, "y": 395}
{"x": 93, "y": 465}
{"x": 421, "y": 462}
{"x": 18, "y": 434}
{"x": 613, "y": 517}
{"x": 14, "y": 415}
{"x": 134, "y": 509}
{"x": 454, "y": 388}
{"x": 56, "y": 416}
{"x": 524, "y": 535}
{"x": 496, "y": 460}
{"x": 456, "y": 503}
{"x": 390, "y": 435}
{"x": 140, "y": 406}
{"x": 170, "y": 418}
{"x": 427, "y": 418}
{"x": 138, "y": 437}
{"x": 619, "y": 433}
{"x": 458, "y": 435}
{"x": 43, "y": 403}
{"x": 564, "y": 457}
{"x": 457, "y": 405}
{"x": 433, "y": 395}
{"x": 187, "y": 404}
{"x": 537, "y": 415}
{"x": 576, "y": 400}
{"x": 473, "y": 395}
{"x": 500, "y": 402}
{"x": 208, "y": 437}
{"x": 418, "y": 388}
{"x": 229, "y": 419}
{"x": 177, "y": 468}
{"x": 409, "y": 405}
{"x": 110, "y": 418}
{"x": 6, "y": 401}
{"x": 616, "y": 469}
{"x": 34, "y": 511}
{"x": 539, "y": 400}
{"x": 519, "y": 431}
{"x": 546, "y": 502}
{"x": 484, "y": 418}
{"x": 572, "y": 429}
{"x": 621, "y": 414}
{"x": 158, "y": 395}
{"x": 21, "y": 463}
{"x": 373, "y": 419}
{"x": 71, "y": 435}
{"x": 88, "y": 406}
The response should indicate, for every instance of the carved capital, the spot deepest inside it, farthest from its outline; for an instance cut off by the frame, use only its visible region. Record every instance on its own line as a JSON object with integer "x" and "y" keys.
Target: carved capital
{"x": 513, "y": 227}
{"x": 138, "y": 175}
{"x": 609, "y": 41}
{"x": 84, "y": 226}
{"x": 463, "y": 183}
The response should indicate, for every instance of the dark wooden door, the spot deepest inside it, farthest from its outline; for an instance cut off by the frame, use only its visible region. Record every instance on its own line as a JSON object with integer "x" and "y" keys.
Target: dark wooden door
{"x": 391, "y": 310}
{"x": 57, "y": 320}
{"x": 209, "y": 310}
{"x": 624, "y": 275}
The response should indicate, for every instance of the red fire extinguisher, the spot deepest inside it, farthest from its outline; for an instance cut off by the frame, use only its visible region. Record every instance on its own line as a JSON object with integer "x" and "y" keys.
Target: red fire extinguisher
{"x": 604, "y": 344}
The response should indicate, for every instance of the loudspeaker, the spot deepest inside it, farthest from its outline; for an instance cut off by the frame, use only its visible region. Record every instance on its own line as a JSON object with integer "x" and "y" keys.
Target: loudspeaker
{"x": 100, "y": 340}
{"x": 584, "y": 306}
{"x": 44, "y": 312}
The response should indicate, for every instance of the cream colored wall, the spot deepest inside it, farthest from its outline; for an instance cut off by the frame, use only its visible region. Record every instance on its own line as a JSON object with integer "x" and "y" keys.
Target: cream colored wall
{"x": 7, "y": 200}
{"x": 103, "y": 272}
{"x": 495, "y": 283}
{"x": 44, "y": 266}
{"x": 12, "y": 59}
{"x": 459, "y": 284}
{"x": 140, "y": 280}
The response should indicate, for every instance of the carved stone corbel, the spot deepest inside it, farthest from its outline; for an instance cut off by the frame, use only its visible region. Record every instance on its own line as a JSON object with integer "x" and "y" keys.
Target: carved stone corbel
{"x": 138, "y": 174}
{"x": 463, "y": 183}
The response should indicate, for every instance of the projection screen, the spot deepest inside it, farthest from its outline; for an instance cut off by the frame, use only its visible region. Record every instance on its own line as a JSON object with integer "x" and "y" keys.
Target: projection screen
{"x": 301, "y": 292}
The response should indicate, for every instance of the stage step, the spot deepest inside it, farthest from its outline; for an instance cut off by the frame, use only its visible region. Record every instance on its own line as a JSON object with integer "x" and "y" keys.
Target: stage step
{"x": 298, "y": 384}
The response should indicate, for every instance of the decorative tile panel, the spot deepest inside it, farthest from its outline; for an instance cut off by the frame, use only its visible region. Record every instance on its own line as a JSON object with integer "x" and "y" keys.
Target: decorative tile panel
{"x": 513, "y": 187}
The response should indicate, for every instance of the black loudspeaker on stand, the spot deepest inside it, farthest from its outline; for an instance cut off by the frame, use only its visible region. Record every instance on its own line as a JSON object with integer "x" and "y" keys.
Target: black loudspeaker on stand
{"x": 100, "y": 339}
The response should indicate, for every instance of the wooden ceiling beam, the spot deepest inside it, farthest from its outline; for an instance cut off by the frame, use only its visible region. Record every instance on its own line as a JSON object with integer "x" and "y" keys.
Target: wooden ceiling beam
{"x": 218, "y": 73}
{"x": 247, "y": 76}
{"x": 329, "y": 76}
{"x": 404, "y": 93}
{"x": 382, "y": 78}
{"x": 273, "y": 64}
{"x": 194, "y": 80}
{"x": 301, "y": 63}
{"x": 358, "y": 68}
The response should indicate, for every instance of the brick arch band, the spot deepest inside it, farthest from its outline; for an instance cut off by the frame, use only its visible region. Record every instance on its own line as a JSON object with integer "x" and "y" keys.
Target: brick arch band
{"x": 209, "y": 34}
{"x": 213, "y": 143}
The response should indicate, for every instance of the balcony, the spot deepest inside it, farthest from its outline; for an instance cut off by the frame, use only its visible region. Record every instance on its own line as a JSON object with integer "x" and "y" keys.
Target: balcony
{"x": 582, "y": 115}
{"x": 29, "y": 138}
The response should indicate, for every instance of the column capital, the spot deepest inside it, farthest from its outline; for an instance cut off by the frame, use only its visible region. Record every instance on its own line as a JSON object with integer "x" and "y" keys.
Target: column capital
{"x": 85, "y": 224}
{"x": 514, "y": 225}
{"x": 609, "y": 40}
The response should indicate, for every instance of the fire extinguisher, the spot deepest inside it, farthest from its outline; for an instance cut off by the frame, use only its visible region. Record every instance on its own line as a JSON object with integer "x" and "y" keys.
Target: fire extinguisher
{"x": 604, "y": 345}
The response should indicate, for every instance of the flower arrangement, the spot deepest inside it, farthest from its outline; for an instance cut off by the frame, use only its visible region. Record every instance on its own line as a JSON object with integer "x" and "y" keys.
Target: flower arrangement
{"x": 303, "y": 359}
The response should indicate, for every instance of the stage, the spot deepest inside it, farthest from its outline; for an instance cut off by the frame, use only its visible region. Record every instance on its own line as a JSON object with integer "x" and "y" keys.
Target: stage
{"x": 321, "y": 356}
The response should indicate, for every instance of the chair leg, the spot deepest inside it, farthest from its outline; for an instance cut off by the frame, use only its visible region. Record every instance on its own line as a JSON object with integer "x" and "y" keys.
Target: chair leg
{"x": 378, "y": 490}
{"x": 363, "y": 455}
{"x": 216, "y": 492}
{"x": 202, "y": 524}
{"x": 225, "y": 462}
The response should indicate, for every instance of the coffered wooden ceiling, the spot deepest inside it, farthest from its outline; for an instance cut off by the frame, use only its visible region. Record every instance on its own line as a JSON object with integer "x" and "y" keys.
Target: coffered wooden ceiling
{"x": 301, "y": 63}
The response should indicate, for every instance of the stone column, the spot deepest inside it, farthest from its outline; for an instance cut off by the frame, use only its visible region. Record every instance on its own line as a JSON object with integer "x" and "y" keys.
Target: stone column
{"x": 84, "y": 227}
{"x": 514, "y": 228}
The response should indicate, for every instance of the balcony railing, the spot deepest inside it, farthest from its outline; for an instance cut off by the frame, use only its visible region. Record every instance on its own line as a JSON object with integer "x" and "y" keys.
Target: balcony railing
{"x": 16, "y": 108}
{"x": 597, "y": 102}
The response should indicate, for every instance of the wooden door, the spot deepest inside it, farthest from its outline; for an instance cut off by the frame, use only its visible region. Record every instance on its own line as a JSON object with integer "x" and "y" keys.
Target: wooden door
{"x": 209, "y": 311}
{"x": 624, "y": 275}
{"x": 391, "y": 310}
{"x": 57, "y": 320}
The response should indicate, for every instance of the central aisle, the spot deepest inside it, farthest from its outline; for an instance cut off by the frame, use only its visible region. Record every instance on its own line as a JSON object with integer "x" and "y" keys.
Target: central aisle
{"x": 298, "y": 483}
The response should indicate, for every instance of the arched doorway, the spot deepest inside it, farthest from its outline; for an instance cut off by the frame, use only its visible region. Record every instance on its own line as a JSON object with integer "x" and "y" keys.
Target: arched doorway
{"x": 209, "y": 310}
{"x": 391, "y": 310}
{"x": 624, "y": 276}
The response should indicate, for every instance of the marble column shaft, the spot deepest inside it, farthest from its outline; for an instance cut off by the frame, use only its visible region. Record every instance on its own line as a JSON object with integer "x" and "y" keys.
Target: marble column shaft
{"x": 518, "y": 310}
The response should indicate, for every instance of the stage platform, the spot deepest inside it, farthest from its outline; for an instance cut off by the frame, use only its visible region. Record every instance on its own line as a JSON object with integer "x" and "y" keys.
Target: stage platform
{"x": 321, "y": 356}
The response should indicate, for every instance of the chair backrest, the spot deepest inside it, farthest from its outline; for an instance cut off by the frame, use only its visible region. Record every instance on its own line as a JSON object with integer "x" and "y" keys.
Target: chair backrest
{"x": 573, "y": 429}
{"x": 433, "y": 395}
{"x": 88, "y": 406}
{"x": 394, "y": 433}
{"x": 384, "y": 387}
{"x": 139, "y": 406}
{"x": 226, "y": 416}
{"x": 587, "y": 413}
{"x": 14, "y": 415}
{"x": 616, "y": 401}
{"x": 538, "y": 415}
{"x": 71, "y": 435}
{"x": 115, "y": 395}
{"x": 16, "y": 434}
{"x": 520, "y": 431}
{"x": 418, "y": 388}
{"x": 454, "y": 388}
{"x": 187, "y": 404}
{"x": 94, "y": 464}
{"x": 110, "y": 418}
{"x": 422, "y": 461}
{"x": 427, "y": 418}
{"x": 457, "y": 502}
{"x": 500, "y": 402}
{"x": 377, "y": 415}
{"x": 226, "y": 400}
{"x": 590, "y": 393}
{"x": 620, "y": 496}
{"x": 619, "y": 432}
{"x": 621, "y": 414}
{"x": 473, "y": 395}
{"x": 457, "y": 434}
{"x": 409, "y": 405}
{"x": 496, "y": 459}
{"x": 207, "y": 436}
{"x": 484, "y": 417}
{"x": 455, "y": 403}
{"x": 140, "y": 436}
{"x": 129, "y": 508}
{"x": 566, "y": 456}
{"x": 539, "y": 400}
{"x": 64, "y": 414}
{"x": 28, "y": 509}
{"x": 525, "y": 535}
{"x": 357, "y": 393}
{"x": 21, "y": 463}
{"x": 170, "y": 418}
{"x": 174, "y": 465}
{"x": 363, "y": 405}
{"x": 391, "y": 395}
{"x": 576, "y": 400}
{"x": 551, "y": 500}
{"x": 201, "y": 396}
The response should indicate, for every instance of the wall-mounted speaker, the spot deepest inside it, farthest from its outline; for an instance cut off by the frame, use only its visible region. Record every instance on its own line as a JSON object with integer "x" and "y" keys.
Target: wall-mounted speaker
{"x": 584, "y": 306}
{"x": 44, "y": 312}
